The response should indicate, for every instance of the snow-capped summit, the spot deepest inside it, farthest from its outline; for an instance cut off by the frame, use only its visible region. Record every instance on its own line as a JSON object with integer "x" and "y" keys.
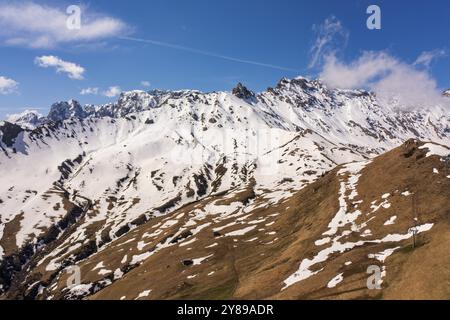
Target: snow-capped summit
{"x": 298, "y": 97}
{"x": 447, "y": 93}
{"x": 65, "y": 110}
{"x": 129, "y": 102}
{"x": 136, "y": 99}
{"x": 28, "y": 119}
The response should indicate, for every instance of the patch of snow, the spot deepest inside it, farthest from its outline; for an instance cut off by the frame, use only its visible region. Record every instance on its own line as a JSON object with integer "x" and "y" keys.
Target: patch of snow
{"x": 240, "y": 232}
{"x": 81, "y": 289}
{"x": 186, "y": 243}
{"x": 366, "y": 233}
{"x": 199, "y": 261}
{"x": 104, "y": 272}
{"x": 382, "y": 256}
{"x": 140, "y": 257}
{"x": 257, "y": 221}
{"x": 143, "y": 294}
{"x": 323, "y": 241}
{"x": 435, "y": 149}
{"x": 386, "y": 205}
{"x": 141, "y": 245}
{"x": 391, "y": 221}
{"x": 2, "y": 226}
{"x": 169, "y": 223}
{"x": 224, "y": 227}
{"x": 118, "y": 274}
{"x": 335, "y": 281}
{"x": 400, "y": 237}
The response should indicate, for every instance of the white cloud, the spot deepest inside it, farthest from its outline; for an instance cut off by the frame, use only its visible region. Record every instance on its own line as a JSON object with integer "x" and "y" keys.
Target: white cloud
{"x": 40, "y": 26}
{"x": 427, "y": 57}
{"x": 112, "y": 92}
{"x": 89, "y": 91}
{"x": 145, "y": 84}
{"x": 394, "y": 81}
{"x": 73, "y": 70}
{"x": 330, "y": 35}
{"x": 390, "y": 78}
{"x": 358, "y": 73}
{"x": 8, "y": 85}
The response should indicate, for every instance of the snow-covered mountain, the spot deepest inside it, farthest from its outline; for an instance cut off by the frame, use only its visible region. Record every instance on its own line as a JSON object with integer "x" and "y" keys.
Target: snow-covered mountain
{"x": 28, "y": 119}
{"x": 84, "y": 176}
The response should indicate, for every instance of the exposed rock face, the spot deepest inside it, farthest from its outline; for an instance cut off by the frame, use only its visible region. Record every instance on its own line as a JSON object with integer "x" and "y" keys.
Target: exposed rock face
{"x": 242, "y": 92}
{"x": 9, "y": 132}
{"x": 447, "y": 93}
{"x": 129, "y": 102}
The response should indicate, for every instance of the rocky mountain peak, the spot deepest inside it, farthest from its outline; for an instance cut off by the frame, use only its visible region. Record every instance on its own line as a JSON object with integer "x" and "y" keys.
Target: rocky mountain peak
{"x": 65, "y": 110}
{"x": 134, "y": 95}
{"x": 446, "y": 93}
{"x": 298, "y": 93}
{"x": 135, "y": 101}
{"x": 27, "y": 119}
{"x": 242, "y": 92}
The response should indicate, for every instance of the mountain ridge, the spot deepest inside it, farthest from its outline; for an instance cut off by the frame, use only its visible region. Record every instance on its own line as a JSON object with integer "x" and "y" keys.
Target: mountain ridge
{"x": 139, "y": 100}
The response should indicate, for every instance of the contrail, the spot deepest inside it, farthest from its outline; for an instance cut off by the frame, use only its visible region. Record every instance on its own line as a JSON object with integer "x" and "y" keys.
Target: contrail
{"x": 207, "y": 53}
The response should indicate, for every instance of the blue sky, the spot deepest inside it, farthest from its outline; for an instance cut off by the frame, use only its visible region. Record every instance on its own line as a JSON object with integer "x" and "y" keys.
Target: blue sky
{"x": 205, "y": 45}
